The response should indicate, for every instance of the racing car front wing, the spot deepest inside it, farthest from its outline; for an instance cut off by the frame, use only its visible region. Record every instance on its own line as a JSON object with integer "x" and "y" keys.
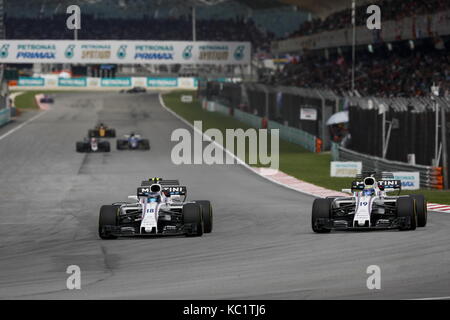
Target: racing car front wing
{"x": 380, "y": 224}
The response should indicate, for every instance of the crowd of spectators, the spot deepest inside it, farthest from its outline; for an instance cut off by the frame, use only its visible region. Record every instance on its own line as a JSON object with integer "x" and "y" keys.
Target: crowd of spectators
{"x": 405, "y": 73}
{"x": 146, "y": 28}
{"x": 390, "y": 10}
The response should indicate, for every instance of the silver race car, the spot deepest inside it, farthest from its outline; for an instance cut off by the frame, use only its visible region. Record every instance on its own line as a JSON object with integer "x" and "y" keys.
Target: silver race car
{"x": 159, "y": 208}
{"x": 93, "y": 145}
{"x": 370, "y": 207}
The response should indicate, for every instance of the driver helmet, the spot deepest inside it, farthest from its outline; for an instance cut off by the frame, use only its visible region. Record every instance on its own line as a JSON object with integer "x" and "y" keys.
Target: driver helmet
{"x": 368, "y": 192}
{"x": 132, "y": 135}
{"x": 154, "y": 197}
{"x": 93, "y": 139}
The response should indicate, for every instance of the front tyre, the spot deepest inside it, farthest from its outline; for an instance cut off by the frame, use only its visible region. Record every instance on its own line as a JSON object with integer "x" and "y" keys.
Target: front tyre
{"x": 406, "y": 208}
{"x": 321, "y": 213}
{"x": 107, "y": 218}
{"x": 192, "y": 218}
{"x": 422, "y": 210}
{"x": 207, "y": 214}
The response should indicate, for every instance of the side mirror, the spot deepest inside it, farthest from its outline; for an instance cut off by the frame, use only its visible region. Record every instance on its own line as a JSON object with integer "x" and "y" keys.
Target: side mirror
{"x": 347, "y": 190}
{"x": 133, "y": 198}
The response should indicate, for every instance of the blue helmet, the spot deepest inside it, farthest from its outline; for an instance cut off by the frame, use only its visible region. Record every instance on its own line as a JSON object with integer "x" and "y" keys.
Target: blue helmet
{"x": 154, "y": 197}
{"x": 368, "y": 192}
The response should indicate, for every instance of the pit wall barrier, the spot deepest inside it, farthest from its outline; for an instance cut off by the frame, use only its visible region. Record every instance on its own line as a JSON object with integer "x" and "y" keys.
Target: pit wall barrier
{"x": 87, "y": 83}
{"x": 430, "y": 177}
{"x": 293, "y": 135}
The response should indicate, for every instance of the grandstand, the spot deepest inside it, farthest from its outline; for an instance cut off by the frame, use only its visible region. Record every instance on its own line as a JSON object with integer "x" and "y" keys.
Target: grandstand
{"x": 302, "y": 49}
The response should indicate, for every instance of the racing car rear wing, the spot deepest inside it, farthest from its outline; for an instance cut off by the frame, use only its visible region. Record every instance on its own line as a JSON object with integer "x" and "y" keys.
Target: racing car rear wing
{"x": 169, "y": 190}
{"x": 160, "y": 181}
{"x": 379, "y": 176}
{"x": 382, "y": 185}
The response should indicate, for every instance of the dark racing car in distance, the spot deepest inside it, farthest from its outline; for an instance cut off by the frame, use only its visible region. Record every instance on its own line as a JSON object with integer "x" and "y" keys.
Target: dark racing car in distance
{"x": 134, "y": 90}
{"x": 102, "y": 131}
{"x": 159, "y": 208}
{"x": 47, "y": 99}
{"x": 93, "y": 145}
{"x": 133, "y": 141}
{"x": 370, "y": 207}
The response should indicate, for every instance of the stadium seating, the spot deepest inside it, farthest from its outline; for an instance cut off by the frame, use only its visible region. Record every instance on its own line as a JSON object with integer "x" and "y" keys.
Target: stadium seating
{"x": 402, "y": 72}
{"x": 391, "y": 10}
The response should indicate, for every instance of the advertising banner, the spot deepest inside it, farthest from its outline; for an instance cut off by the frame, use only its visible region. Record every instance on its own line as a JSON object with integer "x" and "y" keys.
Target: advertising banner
{"x": 72, "y": 82}
{"x": 115, "y": 82}
{"x": 162, "y": 82}
{"x": 53, "y": 82}
{"x": 345, "y": 168}
{"x": 124, "y": 52}
{"x": 31, "y": 82}
{"x": 410, "y": 180}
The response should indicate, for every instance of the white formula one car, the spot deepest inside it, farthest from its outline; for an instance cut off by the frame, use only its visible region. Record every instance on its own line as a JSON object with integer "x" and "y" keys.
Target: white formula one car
{"x": 370, "y": 207}
{"x": 93, "y": 145}
{"x": 158, "y": 210}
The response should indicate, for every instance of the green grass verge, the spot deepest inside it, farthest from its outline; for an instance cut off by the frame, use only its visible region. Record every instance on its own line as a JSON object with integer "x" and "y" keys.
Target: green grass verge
{"x": 294, "y": 160}
{"x": 26, "y": 99}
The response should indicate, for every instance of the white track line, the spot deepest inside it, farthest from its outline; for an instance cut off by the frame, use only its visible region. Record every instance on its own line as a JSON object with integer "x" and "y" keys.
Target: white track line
{"x": 22, "y": 125}
{"x": 430, "y": 299}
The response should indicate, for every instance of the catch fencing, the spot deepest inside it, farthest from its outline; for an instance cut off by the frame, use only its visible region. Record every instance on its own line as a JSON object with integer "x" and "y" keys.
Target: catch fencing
{"x": 296, "y": 136}
{"x": 401, "y": 128}
{"x": 430, "y": 177}
{"x": 299, "y": 113}
{"x": 398, "y": 129}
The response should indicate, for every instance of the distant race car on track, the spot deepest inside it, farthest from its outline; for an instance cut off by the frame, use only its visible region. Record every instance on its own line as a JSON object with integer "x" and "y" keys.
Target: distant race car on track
{"x": 93, "y": 145}
{"x": 47, "y": 99}
{"x": 134, "y": 90}
{"x": 370, "y": 207}
{"x": 133, "y": 142}
{"x": 102, "y": 131}
{"x": 158, "y": 209}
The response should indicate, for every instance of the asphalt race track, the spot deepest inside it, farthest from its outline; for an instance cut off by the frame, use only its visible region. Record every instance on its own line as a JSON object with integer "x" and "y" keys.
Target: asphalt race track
{"x": 262, "y": 246}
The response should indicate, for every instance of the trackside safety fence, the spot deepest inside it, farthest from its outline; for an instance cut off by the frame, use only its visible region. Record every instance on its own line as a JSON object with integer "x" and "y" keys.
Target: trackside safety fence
{"x": 5, "y": 110}
{"x": 296, "y": 136}
{"x": 430, "y": 177}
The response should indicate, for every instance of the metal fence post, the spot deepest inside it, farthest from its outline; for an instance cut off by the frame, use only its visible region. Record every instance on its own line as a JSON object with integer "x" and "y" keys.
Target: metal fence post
{"x": 444, "y": 147}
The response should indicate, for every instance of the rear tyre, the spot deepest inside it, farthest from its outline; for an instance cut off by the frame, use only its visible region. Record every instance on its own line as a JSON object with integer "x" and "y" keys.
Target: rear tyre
{"x": 207, "y": 215}
{"x": 192, "y": 215}
{"x": 108, "y": 217}
{"x": 321, "y": 210}
{"x": 422, "y": 210}
{"x": 406, "y": 208}
{"x": 111, "y": 133}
